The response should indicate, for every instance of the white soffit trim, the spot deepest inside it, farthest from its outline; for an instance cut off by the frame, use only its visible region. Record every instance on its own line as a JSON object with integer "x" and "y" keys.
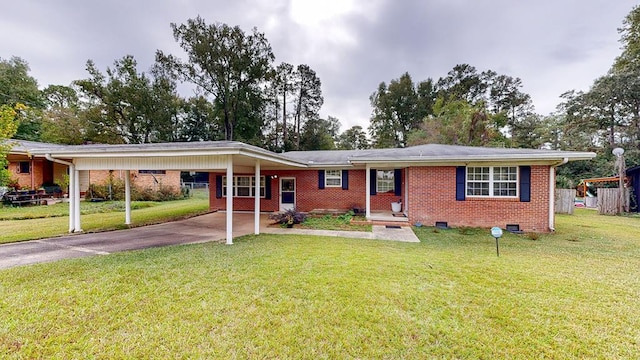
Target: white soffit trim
{"x": 152, "y": 163}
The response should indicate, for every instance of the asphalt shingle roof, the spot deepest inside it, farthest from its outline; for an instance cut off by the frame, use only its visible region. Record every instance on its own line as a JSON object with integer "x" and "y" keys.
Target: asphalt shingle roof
{"x": 428, "y": 152}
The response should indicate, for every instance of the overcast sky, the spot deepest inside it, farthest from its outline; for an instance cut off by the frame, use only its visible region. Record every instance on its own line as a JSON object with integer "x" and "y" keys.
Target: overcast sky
{"x": 353, "y": 45}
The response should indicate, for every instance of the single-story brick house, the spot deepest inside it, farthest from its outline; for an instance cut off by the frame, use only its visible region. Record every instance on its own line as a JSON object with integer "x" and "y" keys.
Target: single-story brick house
{"x": 459, "y": 185}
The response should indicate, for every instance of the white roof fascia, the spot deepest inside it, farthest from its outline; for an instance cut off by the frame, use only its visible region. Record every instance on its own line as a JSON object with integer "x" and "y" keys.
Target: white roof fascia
{"x": 171, "y": 153}
{"x": 527, "y": 158}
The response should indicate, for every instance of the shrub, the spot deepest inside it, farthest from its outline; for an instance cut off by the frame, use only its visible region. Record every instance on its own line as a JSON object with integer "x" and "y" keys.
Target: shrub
{"x": 115, "y": 191}
{"x": 289, "y": 217}
{"x": 346, "y": 218}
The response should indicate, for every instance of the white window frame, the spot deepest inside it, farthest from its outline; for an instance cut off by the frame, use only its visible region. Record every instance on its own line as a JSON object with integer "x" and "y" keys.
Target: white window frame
{"x": 237, "y": 185}
{"x": 496, "y": 176}
{"x": 388, "y": 183}
{"x": 331, "y": 175}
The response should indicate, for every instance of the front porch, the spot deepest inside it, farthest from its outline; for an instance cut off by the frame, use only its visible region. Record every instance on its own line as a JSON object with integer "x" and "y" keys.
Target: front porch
{"x": 378, "y": 217}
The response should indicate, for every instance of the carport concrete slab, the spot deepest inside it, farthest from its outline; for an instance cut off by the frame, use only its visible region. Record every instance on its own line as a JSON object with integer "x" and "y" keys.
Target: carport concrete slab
{"x": 209, "y": 227}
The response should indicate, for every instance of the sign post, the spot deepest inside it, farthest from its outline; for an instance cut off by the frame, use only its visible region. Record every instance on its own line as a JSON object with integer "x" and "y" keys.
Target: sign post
{"x": 496, "y": 232}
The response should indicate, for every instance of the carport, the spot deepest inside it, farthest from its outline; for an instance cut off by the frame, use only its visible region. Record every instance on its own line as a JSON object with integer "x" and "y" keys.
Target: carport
{"x": 230, "y": 156}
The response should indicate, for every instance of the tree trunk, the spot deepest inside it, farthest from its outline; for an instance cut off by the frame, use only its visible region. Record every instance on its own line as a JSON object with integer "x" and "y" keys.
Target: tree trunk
{"x": 228, "y": 126}
{"x": 284, "y": 116}
{"x": 298, "y": 120}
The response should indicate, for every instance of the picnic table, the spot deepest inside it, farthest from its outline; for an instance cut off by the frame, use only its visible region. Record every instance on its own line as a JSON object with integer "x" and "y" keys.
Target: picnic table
{"x": 26, "y": 197}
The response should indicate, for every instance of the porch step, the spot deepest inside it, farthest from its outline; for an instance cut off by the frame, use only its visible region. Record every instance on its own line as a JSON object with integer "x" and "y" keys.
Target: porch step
{"x": 388, "y": 219}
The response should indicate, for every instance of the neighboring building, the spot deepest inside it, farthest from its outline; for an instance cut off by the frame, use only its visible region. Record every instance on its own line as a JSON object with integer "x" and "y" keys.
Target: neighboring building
{"x": 32, "y": 172}
{"x": 459, "y": 185}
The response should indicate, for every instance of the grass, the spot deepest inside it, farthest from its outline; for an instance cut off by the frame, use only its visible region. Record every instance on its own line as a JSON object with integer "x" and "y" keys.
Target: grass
{"x": 36, "y": 222}
{"x": 572, "y": 294}
{"x": 330, "y": 222}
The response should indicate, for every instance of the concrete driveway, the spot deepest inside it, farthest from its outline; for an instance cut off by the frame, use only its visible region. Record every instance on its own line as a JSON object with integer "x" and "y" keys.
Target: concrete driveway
{"x": 209, "y": 227}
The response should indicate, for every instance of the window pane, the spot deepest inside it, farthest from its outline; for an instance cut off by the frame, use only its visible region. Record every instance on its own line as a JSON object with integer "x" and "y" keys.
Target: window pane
{"x": 478, "y": 174}
{"x": 478, "y": 189}
{"x": 504, "y": 189}
{"x": 243, "y": 191}
{"x": 243, "y": 181}
{"x": 24, "y": 167}
{"x": 385, "y": 181}
{"x": 333, "y": 177}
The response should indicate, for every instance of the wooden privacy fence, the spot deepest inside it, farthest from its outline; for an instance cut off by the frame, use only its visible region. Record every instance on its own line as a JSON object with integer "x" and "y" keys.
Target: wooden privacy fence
{"x": 565, "y": 201}
{"x": 608, "y": 200}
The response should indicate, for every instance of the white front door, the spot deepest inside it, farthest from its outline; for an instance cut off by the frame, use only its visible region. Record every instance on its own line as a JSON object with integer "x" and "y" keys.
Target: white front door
{"x": 287, "y": 193}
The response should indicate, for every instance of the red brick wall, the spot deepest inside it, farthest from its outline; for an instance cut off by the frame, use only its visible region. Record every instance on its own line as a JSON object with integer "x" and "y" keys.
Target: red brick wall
{"x": 433, "y": 198}
{"x": 308, "y": 196}
{"x": 171, "y": 178}
{"x": 31, "y": 180}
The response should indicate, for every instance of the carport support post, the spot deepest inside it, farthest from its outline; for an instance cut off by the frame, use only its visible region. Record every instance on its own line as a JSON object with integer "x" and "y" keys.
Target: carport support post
{"x": 127, "y": 197}
{"x": 71, "y": 197}
{"x": 257, "y": 199}
{"x": 76, "y": 202}
{"x": 230, "y": 200}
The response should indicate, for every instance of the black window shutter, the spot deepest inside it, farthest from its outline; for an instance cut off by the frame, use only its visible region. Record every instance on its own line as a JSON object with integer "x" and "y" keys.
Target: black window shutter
{"x": 267, "y": 187}
{"x": 373, "y": 181}
{"x": 525, "y": 183}
{"x": 397, "y": 182}
{"x": 345, "y": 179}
{"x": 218, "y": 186}
{"x": 320, "y": 179}
{"x": 461, "y": 173}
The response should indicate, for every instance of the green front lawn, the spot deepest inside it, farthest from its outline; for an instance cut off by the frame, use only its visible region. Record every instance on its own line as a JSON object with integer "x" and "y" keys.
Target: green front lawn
{"x": 36, "y": 222}
{"x": 573, "y": 294}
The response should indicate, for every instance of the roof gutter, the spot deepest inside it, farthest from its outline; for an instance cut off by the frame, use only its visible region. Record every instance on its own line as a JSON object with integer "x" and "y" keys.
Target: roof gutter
{"x": 552, "y": 188}
{"x": 476, "y": 158}
{"x": 52, "y": 159}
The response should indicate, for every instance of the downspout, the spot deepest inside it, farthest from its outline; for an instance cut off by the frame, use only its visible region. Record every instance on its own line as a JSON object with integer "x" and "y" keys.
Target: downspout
{"x": 552, "y": 194}
{"x": 72, "y": 168}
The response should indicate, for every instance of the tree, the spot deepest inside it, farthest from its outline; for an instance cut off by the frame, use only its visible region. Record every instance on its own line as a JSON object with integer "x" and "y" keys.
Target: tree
{"x": 62, "y": 121}
{"x": 457, "y": 122}
{"x": 198, "y": 121}
{"x": 18, "y": 87}
{"x": 284, "y": 86}
{"x": 398, "y": 109}
{"x": 464, "y": 82}
{"x": 228, "y": 65}
{"x": 308, "y": 98}
{"x": 629, "y": 60}
{"x": 354, "y": 138}
{"x": 8, "y": 127}
{"x": 132, "y": 107}
{"x": 320, "y": 134}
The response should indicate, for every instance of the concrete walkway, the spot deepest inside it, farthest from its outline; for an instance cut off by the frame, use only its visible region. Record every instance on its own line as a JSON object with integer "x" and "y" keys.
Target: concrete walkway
{"x": 204, "y": 228}
{"x": 404, "y": 234}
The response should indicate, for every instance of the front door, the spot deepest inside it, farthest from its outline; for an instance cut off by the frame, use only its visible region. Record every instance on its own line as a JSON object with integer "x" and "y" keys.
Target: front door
{"x": 287, "y": 193}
